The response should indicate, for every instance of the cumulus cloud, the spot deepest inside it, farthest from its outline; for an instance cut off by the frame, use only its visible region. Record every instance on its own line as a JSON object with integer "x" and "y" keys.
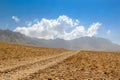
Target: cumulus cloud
{"x": 15, "y": 18}
{"x": 92, "y": 30}
{"x": 63, "y": 27}
{"x": 108, "y": 32}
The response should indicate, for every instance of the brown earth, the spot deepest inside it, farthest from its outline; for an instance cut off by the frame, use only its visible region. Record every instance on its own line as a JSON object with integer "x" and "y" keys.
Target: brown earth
{"x": 86, "y": 65}
{"x": 18, "y": 62}
{"x": 36, "y": 63}
{"x": 12, "y": 55}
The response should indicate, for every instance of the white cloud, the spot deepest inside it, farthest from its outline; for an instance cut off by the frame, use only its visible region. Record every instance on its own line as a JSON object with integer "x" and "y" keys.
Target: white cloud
{"x": 92, "y": 30}
{"x": 15, "y": 18}
{"x": 108, "y": 32}
{"x": 63, "y": 27}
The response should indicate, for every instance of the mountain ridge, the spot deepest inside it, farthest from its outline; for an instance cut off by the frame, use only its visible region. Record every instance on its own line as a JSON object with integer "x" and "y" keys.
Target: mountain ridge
{"x": 82, "y": 43}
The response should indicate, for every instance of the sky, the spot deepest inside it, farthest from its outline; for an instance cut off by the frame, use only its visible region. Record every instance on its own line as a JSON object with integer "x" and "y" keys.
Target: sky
{"x": 65, "y": 19}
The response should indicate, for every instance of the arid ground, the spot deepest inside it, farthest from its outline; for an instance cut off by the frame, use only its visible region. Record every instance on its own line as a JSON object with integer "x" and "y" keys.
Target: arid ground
{"x": 19, "y": 62}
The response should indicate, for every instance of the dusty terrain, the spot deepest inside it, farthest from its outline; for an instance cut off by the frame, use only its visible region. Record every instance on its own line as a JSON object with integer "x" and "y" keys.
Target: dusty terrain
{"x": 14, "y": 55}
{"x": 86, "y": 65}
{"x": 17, "y": 62}
{"x": 36, "y": 63}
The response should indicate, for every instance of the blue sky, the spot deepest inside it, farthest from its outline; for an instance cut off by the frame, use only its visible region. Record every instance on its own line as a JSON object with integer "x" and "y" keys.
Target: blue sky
{"x": 105, "y": 12}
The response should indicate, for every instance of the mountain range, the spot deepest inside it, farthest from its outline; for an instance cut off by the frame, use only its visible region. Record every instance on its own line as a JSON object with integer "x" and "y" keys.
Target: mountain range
{"x": 82, "y": 43}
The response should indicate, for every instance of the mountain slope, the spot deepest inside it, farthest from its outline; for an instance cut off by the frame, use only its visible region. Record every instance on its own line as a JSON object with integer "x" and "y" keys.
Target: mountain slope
{"x": 94, "y": 43}
{"x": 83, "y": 43}
{"x": 12, "y": 37}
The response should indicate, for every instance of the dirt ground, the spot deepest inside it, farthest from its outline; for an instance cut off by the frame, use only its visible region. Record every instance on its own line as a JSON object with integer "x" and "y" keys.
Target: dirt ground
{"x": 86, "y": 65}
{"x": 12, "y": 55}
{"x": 19, "y": 62}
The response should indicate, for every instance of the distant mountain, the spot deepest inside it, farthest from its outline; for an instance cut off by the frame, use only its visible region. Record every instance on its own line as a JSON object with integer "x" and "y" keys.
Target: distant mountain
{"x": 94, "y": 43}
{"x": 12, "y": 37}
{"x": 83, "y": 43}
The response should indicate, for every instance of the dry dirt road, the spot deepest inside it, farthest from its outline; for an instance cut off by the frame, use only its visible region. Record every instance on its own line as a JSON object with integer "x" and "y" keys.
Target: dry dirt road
{"x": 22, "y": 71}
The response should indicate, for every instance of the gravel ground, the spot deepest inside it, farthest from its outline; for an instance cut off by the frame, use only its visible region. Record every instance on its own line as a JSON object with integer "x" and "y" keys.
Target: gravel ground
{"x": 86, "y": 65}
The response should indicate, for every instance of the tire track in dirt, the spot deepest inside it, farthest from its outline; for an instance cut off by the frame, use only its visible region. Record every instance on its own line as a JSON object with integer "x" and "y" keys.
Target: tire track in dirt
{"x": 23, "y": 71}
